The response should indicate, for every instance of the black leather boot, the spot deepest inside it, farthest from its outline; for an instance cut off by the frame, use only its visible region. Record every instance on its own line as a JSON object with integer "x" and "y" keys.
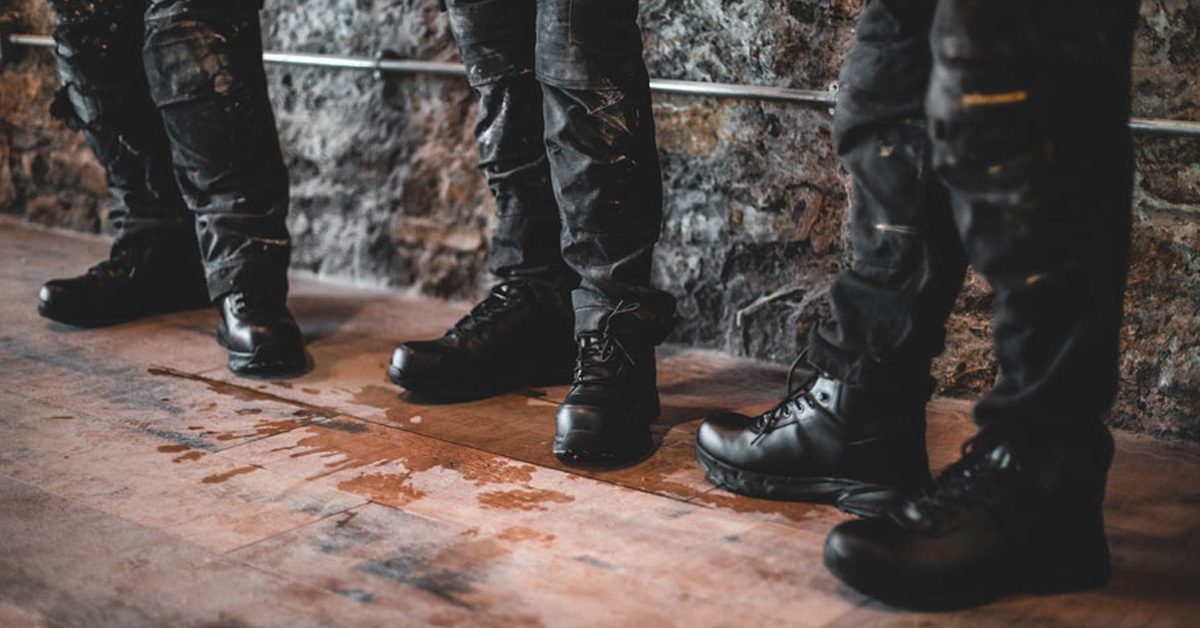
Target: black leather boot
{"x": 825, "y": 443}
{"x": 152, "y": 276}
{"x": 261, "y": 336}
{"x": 519, "y": 336}
{"x": 1004, "y": 519}
{"x": 605, "y": 418}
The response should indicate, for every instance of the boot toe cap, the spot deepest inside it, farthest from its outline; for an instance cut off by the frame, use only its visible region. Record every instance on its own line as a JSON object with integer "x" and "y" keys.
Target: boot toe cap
{"x": 721, "y": 433}
{"x": 576, "y": 416}
{"x": 859, "y": 549}
{"x": 417, "y": 359}
{"x": 69, "y": 302}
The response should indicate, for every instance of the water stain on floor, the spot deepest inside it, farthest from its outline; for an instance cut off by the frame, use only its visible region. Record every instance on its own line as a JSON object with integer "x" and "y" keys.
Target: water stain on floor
{"x": 244, "y": 393}
{"x": 523, "y": 499}
{"x": 387, "y": 489}
{"x": 222, "y": 477}
{"x": 189, "y": 456}
{"x": 521, "y": 534}
{"x": 386, "y": 398}
{"x": 495, "y": 470}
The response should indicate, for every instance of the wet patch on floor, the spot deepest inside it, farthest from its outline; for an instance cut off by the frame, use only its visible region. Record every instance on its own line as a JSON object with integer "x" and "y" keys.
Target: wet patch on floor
{"x": 218, "y": 478}
{"x": 523, "y": 499}
{"x": 521, "y": 535}
{"x": 387, "y": 489}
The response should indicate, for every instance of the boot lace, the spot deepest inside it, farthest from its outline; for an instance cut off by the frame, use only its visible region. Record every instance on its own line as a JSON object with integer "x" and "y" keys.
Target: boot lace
{"x": 970, "y": 481}
{"x": 243, "y": 303}
{"x": 486, "y": 313}
{"x": 122, "y": 262}
{"x": 792, "y": 404}
{"x": 597, "y": 350}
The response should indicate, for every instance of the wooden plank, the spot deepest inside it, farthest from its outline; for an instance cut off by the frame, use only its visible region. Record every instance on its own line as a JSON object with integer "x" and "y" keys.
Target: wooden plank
{"x": 146, "y": 486}
{"x": 153, "y": 481}
{"x": 62, "y": 563}
{"x": 535, "y": 538}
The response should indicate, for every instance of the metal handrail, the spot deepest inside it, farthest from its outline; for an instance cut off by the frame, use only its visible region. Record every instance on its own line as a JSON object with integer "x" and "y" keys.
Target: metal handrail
{"x": 1149, "y": 126}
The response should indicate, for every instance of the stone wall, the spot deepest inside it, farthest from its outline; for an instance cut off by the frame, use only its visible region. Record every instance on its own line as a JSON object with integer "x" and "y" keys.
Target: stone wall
{"x": 385, "y": 189}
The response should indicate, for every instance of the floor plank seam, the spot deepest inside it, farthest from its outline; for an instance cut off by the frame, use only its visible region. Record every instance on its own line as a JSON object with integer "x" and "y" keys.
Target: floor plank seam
{"x": 292, "y": 529}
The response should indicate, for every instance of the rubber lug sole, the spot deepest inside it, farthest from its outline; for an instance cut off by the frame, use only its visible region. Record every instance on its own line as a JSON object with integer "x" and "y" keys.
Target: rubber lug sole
{"x": 632, "y": 442}
{"x": 838, "y": 492}
{"x": 1048, "y": 575}
{"x": 588, "y": 447}
{"x": 47, "y": 309}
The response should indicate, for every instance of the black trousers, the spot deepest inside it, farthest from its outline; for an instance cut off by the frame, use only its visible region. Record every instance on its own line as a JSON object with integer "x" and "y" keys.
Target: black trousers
{"x": 995, "y": 134}
{"x": 566, "y": 142}
{"x": 172, "y": 97}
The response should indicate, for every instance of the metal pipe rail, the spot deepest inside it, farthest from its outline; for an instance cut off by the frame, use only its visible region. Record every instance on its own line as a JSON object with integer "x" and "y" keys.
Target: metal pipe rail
{"x": 382, "y": 65}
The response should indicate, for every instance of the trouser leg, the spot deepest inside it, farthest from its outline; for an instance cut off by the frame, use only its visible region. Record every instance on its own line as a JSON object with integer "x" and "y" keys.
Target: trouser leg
{"x": 496, "y": 40}
{"x": 600, "y": 140}
{"x": 204, "y": 64}
{"x": 104, "y": 95}
{"x": 890, "y": 306}
{"x": 1029, "y": 104}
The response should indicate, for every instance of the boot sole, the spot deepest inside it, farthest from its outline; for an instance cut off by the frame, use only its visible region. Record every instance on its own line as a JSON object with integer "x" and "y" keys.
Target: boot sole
{"x": 819, "y": 490}
{"x": 47, "y": 310}
{"x": 587, "y": 447}
{"x": 579, "y": 447}
{"x": 268, "y": 362}
{"x": 444, "y": 390}
{"x": 1047, "y": 575}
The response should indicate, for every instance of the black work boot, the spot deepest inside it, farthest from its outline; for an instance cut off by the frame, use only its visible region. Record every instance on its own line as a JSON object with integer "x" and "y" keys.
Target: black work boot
{"x": 151, "y": 276}
{"x": 826, "y": 443}
{"x": 1004, "y": 519}
{"x": 605, "y": 418}
{"x": 519, "y": 336}
{"x": 261, "y": 336}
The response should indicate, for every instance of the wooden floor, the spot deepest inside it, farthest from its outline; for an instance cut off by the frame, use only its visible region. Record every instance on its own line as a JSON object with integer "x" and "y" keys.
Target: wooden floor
{"x": 142, "y": 484}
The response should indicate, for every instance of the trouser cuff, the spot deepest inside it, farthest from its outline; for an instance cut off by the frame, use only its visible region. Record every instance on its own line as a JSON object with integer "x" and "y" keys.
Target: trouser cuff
{"x": 890, "y": 379}
{"x": 259, "y": 277}
{"x": 650, "y": 318}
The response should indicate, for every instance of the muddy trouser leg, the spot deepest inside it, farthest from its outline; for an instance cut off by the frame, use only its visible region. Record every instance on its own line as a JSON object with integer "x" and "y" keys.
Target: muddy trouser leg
{"x": 203, "y": 61}
{"x": 603, "y": 159}
{"x": 1029, "y": 107}
{"x": 1029, "y": 104}
{"x": 496, "y": 40}
{"x": 104, "y": 95}
{"x": 890, "y": 306}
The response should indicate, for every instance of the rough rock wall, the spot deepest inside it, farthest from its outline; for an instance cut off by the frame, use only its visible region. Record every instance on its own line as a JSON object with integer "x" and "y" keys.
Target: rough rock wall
{"x": 385, "y": 189}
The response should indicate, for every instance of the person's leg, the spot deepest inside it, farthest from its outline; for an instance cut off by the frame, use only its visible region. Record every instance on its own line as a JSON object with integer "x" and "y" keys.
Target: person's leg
{"x": 1028, "y": 106}
{"x": 604, "y": 165}
{"x": 520, "y": 334}
{"x": 203, "y": 62}
{"x": 855, "y": 431}
{"x": 154, "y": 265}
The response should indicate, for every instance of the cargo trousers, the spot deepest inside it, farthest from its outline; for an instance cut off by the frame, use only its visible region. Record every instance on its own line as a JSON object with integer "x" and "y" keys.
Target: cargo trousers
{"x": 566, "y": 143}
{"x": 172, "y": 97}
{"x": 993, "y": 134}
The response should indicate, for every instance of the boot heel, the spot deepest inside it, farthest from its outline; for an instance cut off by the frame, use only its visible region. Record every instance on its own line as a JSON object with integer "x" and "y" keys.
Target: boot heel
{"x": 1074, "y": 559}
